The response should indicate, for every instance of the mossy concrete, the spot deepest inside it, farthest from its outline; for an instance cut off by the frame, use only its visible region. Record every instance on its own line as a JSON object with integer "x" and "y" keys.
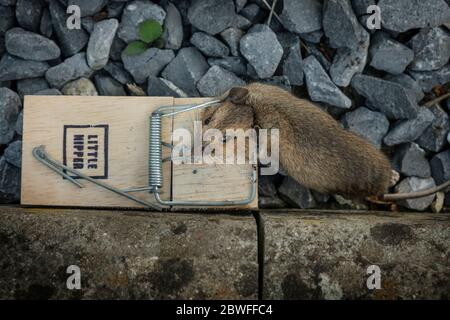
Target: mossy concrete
{"x": 280, "y": 255}
{"x": 314, "y": 255}
{"x": 129, "y": 255}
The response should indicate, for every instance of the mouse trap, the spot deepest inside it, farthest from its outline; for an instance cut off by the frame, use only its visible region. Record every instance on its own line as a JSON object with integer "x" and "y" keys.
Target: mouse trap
{"x": 116, "y": 152}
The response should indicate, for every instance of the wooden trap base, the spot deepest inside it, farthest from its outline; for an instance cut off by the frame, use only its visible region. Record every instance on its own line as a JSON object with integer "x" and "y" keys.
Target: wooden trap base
{"x": 108, "y": 138}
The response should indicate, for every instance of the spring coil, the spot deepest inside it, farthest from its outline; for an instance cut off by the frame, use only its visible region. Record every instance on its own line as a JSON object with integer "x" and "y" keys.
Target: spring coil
{"x": 155, "y": 176}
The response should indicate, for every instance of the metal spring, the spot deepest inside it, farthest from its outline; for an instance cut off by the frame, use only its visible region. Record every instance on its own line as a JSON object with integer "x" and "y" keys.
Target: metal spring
{"x": 155, "y": 175}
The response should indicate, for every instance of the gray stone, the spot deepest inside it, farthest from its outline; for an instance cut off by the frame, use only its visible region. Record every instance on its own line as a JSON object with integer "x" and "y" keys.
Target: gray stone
{"x": 209, "y": 45}
{"x": 293, "y": 66}
{"x": 431, "y": 48}
{"x": 186, "y": 70}
{"x": 388, "y": 97}
{"x": 430, "y": 79}
{"x": 13, "y": 68}
{"x": 302, "y": 16}
{"x": 71, "y": 41}
{"x": 409, "y": 130}
{"x": 212, "y": 16}
{"x": 19, "y": 123}
{"x": 341, "y": 26}
{"x": 414, "y": 184}
{"x": 31, "y": 86}
{"x": 108, "y": 86}
{"x": 440, "y": 167}
{"x": 8, "y": 2}
{"x": 88, "y": 7}
{"x": 326, "y": 64}
{"x": 128, "y": 255}
{"x": 313, "y": 37}
{"x": 136, "y": 12}
{"x": 320, "y": 86}
{"x": 88, "y": 23}
{"x": 217, "y": 81}
{"x": 262, "y": 50}
{"x": 232, "y": 36}
{"x": 10, "y": 105}
{"x": 115, "y": 9}
{"x": 295, "y": 194}
{"x": 173, "y": 28}
{"x": 241, "y": 22}
{"x": 29, "y": 13}
{"x": 71, "y": 69}
{"x": 266, "y": 186}
{"x": 80, "y": 87}
{"x": 233, "y": 64}
{"x": 2, "y": 45}
{"x": 434, "y": 138}
{"x": 7, "y": 19}
{"x": 389, "y": 55}
{"x": 100, "y": 42}
{"x": 349, "y": 62}
{"x": 410, "y": 160}
{"x": 252, "y": 12}
{"x": 48, "y": 92}
{"x": 9, "y": 182}
{"x": 372, "y": 126}
{"x": 146, "y": 64}
{"x": 360, "y": 6}
{"x": 408, "y": 83}
{"x": 117, "y": 47}
{"x": 327, "y": 255}
{"x": 13, "y": 153}
{"x": 118, "y": 72}
{"x": 158, "y": 88}
{"x": 30, "y": 46}
{"x": 404, "y": 15}
{"x": 46, "y": 27}
{"x": 271, "y": 203}
{"x": 240, "y": 4}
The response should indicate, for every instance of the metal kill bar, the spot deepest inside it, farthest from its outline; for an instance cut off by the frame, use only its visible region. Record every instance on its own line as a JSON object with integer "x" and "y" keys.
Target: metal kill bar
{"x": 155, "y": 178}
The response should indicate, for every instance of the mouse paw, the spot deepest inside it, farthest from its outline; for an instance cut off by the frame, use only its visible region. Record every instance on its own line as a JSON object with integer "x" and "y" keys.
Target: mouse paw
{"x": 395, "y": 178}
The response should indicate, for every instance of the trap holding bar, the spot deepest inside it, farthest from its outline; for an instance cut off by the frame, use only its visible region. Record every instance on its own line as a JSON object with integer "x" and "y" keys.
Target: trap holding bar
{"x": 155, "y": 172}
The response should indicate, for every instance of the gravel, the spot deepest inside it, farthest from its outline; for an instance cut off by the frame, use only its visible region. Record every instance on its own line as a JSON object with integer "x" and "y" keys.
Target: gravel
{"x": 209, "y": 45}
{"x": 212, "y": 16}
{"x": 186, "y": 70}
{"x": 149, "y": 63}
{"x": 262, "y": 50}
{"x": 217, "y": 81}
{"x": 100, "y": 43}
{"x": 372, "y": 126}
{"x": 10, "y": 105}
{"x": 302, "y": 16}
{"x": 320, "y": 86}
{"x": 13, "y": 68}
{"x": 414, "y": 184}
{"x": 136, "y": 12}
{"x": 411, "y": 161}
{"x": 28, "y": 45}
{"x": 71, "y": 69}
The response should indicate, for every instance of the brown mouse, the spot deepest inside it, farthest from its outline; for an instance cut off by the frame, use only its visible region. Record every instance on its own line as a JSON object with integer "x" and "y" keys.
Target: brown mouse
{"x": 314, "y": 149}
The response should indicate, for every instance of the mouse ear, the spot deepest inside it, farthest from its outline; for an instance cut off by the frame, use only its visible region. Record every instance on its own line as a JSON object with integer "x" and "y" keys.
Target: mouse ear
{"x": 238, "y": 94}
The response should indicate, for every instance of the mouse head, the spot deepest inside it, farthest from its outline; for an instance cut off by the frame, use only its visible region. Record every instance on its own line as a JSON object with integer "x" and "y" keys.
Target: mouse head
{"x": 230, "y": 114}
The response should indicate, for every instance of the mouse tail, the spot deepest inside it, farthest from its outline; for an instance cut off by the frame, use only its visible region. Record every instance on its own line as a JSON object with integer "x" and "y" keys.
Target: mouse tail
{"x": 415, "y": 195}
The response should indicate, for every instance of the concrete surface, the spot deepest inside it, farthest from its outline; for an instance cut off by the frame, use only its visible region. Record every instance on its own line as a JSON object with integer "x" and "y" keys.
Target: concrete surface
{"x": 129, "y": 255}
{"x": 326, "y": 256}
{"x": 280, "y": 255}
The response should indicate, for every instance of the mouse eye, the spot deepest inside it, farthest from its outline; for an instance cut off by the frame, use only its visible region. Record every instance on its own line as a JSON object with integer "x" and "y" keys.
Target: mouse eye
{"x": 207, "y": 120}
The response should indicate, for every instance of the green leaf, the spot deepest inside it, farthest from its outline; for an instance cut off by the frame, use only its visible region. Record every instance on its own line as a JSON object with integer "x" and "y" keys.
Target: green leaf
{"x": 135, "y": 48}
{"x": 150, "y": 30}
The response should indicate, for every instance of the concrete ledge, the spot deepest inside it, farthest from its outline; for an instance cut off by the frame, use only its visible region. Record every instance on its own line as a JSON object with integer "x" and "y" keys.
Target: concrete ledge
{"x": 325, "y": 256}
{"x": 128, "y": 255}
